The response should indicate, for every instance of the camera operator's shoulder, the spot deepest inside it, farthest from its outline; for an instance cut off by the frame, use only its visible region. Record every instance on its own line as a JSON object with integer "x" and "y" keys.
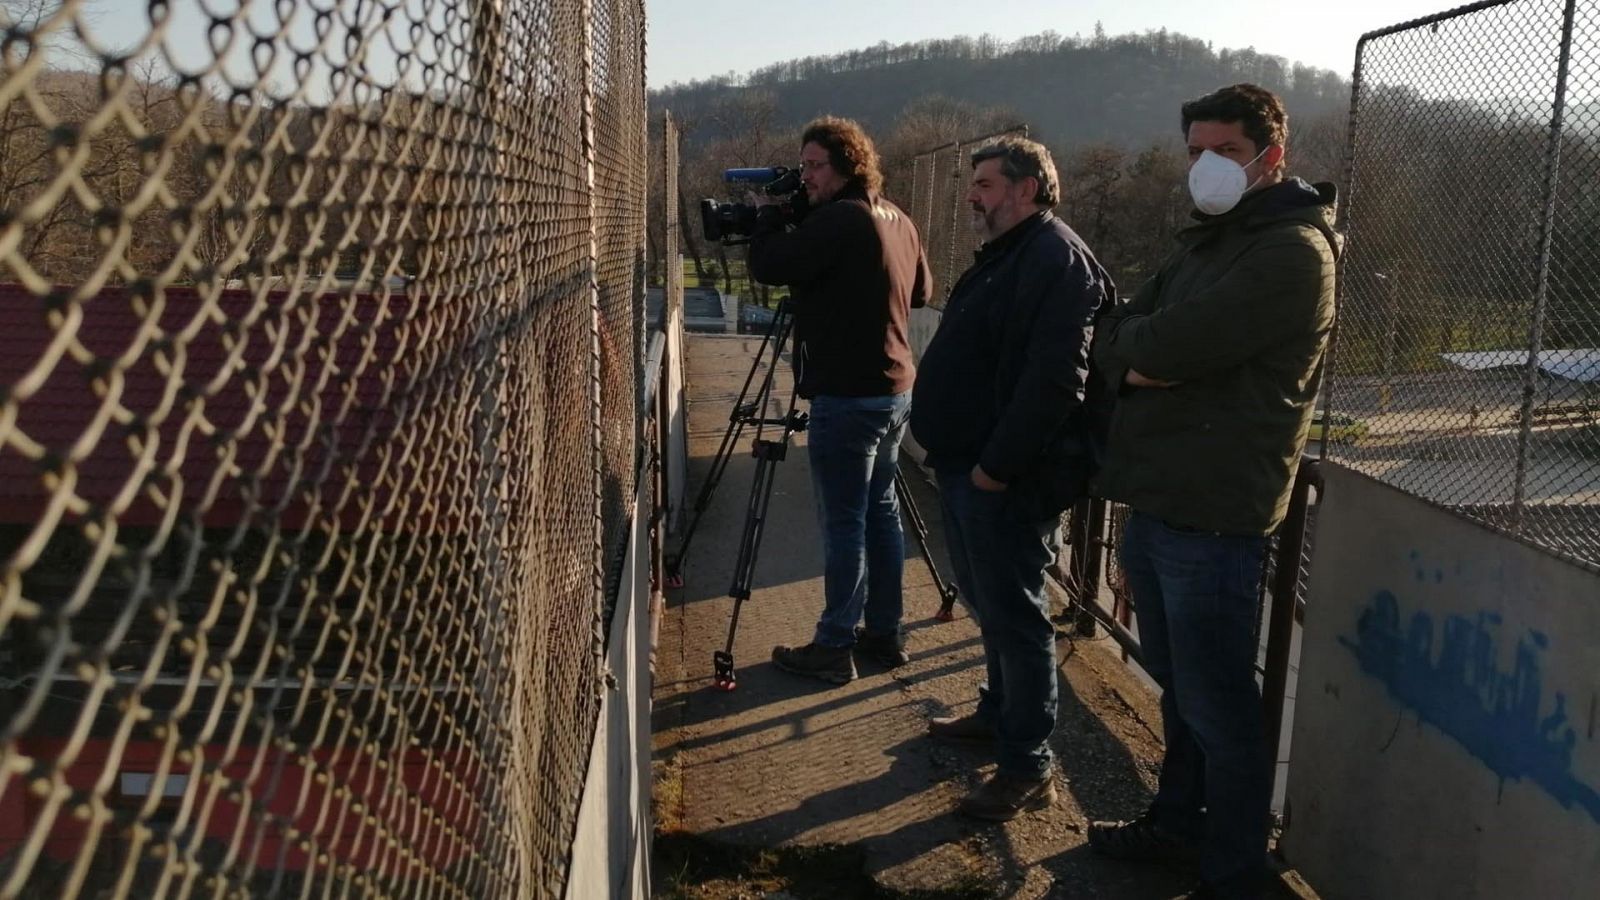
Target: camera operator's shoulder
{"x": 830, "y": 213}
{"x": 852, "y": 208}
{"x": 848, "y": 214}
{"x": 884, "y": 210}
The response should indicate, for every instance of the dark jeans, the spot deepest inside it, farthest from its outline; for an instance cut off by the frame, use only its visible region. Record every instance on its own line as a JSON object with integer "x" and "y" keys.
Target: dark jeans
{"x": 999, "y": 557}
{"x": 854, "y": 447}
{"x": 1195, "y": 595}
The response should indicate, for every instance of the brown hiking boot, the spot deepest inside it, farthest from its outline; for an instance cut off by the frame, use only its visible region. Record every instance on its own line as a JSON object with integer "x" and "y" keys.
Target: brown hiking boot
{"x": 968, "y": 729}
{"x": 1004, "y": 797}
{"x": 831, "y": 664}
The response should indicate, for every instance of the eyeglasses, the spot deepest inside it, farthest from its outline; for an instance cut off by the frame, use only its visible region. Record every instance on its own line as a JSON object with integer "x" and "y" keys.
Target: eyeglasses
{"x": 809, "y": 165}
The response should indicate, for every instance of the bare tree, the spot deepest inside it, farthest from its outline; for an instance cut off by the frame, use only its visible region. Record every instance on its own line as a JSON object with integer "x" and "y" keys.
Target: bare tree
{"x": 1316, "y": 146}
{"x": 746, "y": 120}
{"x": 48, "y": 23}
{"x": 1091, "y": 177}
{"x": 930, "y": 122}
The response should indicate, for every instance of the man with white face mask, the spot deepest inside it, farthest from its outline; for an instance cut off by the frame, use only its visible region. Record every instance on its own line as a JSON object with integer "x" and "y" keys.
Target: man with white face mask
{"x": 1005, "y": 408}
{"x": 1217, "y": 362}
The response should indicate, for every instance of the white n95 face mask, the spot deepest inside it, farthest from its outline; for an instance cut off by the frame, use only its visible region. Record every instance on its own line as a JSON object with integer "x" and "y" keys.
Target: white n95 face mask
{"x": 1217, "y": 183}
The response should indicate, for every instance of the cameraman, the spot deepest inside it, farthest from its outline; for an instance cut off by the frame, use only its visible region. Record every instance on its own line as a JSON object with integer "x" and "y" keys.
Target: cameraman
{"x": 855, "y": 268}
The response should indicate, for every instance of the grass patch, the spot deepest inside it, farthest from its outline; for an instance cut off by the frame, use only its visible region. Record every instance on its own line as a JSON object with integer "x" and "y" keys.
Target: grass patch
{"x": 666, "y": 794}
{"x": 690, "y": 867}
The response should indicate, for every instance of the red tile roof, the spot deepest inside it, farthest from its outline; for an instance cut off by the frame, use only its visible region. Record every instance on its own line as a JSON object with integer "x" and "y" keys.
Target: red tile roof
{"x": 215, "y": 404}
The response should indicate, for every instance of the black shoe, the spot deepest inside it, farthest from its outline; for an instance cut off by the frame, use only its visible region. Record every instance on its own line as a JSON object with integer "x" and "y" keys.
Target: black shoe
{"x": 1142, "y": 840}
{"x": 831, "y": 664}
{"x": 887, "y": 650}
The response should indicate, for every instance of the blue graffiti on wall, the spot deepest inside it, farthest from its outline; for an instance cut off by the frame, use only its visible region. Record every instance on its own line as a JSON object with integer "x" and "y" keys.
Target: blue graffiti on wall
{"x": 1457, "y": 687}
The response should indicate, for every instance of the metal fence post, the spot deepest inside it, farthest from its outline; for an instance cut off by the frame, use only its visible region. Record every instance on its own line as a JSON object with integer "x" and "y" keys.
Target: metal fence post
{"x": 1088, "y": 548}
{"x": 1541, "y": 295}
{"x": 1285, "y": 593}
{"x": 592, "y": 292}
{"x": 1330, "y": 367}
{"x": 1391, "y": 338}
{"x": 955, "y": 219}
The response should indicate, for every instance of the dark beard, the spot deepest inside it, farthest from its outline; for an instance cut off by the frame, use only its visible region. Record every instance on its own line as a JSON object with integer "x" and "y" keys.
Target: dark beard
{"x": 984, "y": 216}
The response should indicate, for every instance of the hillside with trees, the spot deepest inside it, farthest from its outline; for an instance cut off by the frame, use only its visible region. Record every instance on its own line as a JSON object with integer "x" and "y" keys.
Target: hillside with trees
{"x": 1106, "y": 106}
{"x": 1121, "y": 89}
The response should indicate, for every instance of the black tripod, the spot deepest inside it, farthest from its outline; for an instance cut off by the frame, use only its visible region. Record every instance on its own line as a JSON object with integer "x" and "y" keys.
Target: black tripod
{"x": 919, "y": 528}
{"x": 769, "y": 452}
{"x": 745, "y": 412}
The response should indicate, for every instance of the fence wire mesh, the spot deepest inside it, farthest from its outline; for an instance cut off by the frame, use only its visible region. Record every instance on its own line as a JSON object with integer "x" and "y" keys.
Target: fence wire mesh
{"x": 940, "y": 179}
{"x": 621, "y": 169}
{"x": 1467, "y": 362}
{"x": 319, "y": 353}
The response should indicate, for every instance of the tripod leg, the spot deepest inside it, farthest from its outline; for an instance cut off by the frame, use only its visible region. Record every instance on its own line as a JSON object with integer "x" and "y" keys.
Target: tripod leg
{"x": 719, "y": 465}
{"x": 768, "y": 454}
{"x": 947, "y": 589}
{"x": 742, "y": 414}
{"x": 745, "y": 565}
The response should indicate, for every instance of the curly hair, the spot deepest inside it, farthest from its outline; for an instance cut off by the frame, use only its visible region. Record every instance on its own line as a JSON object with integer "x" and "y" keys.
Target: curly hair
{"x": 1257, "y": 109}
{"x": 850, "y": 151}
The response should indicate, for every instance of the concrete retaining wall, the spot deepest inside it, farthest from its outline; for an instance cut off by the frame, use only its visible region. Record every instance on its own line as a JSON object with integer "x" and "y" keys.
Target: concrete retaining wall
{"x": 1446, "y": 741}
{"x": 611, "y": 850}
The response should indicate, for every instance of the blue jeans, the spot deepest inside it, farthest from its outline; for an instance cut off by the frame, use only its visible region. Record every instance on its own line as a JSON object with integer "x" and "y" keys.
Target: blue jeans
{"x": 1196, "y": 596}
{"x": 854, "y": 445}
{"x": 999, "y": 559}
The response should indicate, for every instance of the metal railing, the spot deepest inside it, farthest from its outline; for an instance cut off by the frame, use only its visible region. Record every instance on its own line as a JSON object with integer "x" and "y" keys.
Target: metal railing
{"x": 1099, "y": 602}
{"x": 320, "y": 411}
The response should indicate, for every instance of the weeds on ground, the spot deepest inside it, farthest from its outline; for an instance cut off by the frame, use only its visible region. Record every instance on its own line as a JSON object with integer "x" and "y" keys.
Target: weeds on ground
{"x": 690, "y": 867}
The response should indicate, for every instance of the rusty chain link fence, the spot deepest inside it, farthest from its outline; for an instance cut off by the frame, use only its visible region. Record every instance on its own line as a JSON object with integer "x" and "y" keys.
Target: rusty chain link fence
{"x": 1466, "y": 367}
{"x": 319, "y": 413}
{"x": 939, "y": 181}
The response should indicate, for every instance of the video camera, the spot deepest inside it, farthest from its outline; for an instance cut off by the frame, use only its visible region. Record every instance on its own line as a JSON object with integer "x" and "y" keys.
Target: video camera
{"x": 732, "y": 222}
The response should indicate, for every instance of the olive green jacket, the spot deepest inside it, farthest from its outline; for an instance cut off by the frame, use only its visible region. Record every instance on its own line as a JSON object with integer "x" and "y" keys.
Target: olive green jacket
{"x": 1239, "y": 317}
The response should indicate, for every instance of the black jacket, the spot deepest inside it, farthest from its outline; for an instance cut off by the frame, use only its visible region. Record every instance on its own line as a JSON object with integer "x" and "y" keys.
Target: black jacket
{"x": 856, "y": 268}
{"x": 1005, "y": 381}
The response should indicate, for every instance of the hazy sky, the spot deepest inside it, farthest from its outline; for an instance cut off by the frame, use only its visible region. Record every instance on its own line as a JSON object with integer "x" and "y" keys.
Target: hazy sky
{"x": 697, "y": 38}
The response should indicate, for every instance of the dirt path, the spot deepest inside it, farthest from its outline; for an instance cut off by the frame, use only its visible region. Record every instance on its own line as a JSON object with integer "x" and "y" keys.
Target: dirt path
{"x": 773, "y": 788}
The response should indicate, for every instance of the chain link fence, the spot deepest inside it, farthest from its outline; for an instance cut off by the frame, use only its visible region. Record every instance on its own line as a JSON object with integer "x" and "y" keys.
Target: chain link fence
{"x": 939, "y": 182}
{"x": 621, "y": 172}
{"x": 1467, "y": 362}
{"x": 319, "y": 415}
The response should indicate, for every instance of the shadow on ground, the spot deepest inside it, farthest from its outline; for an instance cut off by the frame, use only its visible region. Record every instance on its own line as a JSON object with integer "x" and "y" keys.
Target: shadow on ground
{"x": 787, "y": 787}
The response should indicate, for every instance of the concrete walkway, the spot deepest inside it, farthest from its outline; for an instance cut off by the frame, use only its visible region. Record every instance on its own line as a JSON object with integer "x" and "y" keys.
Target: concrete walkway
{"x": 784, "y": 760}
